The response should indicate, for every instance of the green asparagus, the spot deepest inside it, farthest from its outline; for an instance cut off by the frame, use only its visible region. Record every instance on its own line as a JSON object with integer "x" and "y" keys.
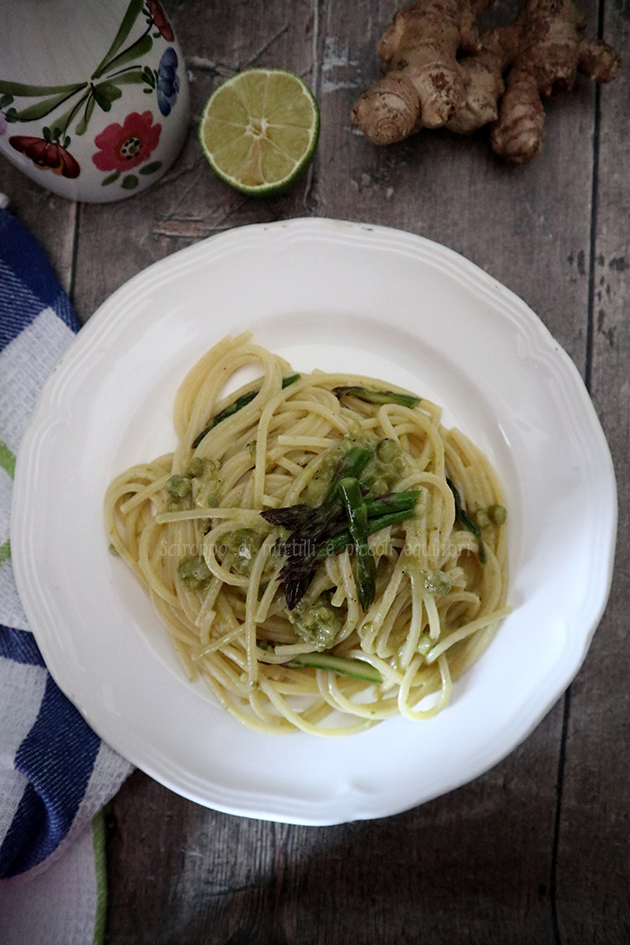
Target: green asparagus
{"x": 357, "y": 669}
{"x": 356, "y": 512}
{"x": 235, "y": 406}
{"x": 371, "y": 396}
{"x": 464, "y": 519}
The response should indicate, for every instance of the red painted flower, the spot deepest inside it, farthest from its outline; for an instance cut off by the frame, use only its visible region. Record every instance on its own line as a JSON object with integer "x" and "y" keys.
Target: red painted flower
{"x": 126, "y": 146}
{"x": 46, "y": 154}
{"x": 161, "y": 20}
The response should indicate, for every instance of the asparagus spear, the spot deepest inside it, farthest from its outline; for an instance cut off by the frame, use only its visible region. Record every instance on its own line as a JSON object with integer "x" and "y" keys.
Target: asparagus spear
{"x": 300, "y": 516}
{"x": 297, "y": 571}
{"x": 350, "y": 465}
{"x": 303, "y": 541}
{"x": 464, "y": 519}
{"x": 235, "y": 406}
{"x": 358, "y": 526}
{"x": 340, "y": 539}
{"x": 296, "y": 516}
{"x": 357, "y": 669}
{"x": 392, "y": 502}
{"x": 311, "y": 536}
{"x": 295, "y": 589}
{"x": 318, "y": 522}
{"x": 371, "y": 396}
{"x": 293, "y": 516}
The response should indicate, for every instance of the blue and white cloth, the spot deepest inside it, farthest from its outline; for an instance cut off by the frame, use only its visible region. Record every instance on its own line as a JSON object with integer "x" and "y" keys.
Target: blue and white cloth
{"x": 55, "y": 773}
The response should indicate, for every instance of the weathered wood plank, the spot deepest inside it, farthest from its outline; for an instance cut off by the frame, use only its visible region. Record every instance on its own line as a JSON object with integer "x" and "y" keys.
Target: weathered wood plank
{"x": 463, "y": 868}
{"x": 593, "y": 876}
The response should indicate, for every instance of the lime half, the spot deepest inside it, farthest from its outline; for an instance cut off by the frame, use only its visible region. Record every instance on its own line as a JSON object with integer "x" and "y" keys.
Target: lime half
{"x": 259, "y": 130}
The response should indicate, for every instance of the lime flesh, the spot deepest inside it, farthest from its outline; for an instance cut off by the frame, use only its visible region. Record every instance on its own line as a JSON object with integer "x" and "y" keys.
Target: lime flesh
{"x": 259, "y": 130}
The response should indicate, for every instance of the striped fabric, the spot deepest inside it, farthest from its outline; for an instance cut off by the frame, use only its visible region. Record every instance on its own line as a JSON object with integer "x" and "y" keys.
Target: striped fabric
{"x": 55, "y": 773}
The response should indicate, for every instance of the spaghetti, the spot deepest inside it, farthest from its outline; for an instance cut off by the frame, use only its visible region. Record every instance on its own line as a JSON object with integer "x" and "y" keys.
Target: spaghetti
{"x": 325, "y": 555}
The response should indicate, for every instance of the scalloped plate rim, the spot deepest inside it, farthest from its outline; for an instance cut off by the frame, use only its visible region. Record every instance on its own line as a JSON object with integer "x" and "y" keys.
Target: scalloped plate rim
{"x": 106, "y": 323}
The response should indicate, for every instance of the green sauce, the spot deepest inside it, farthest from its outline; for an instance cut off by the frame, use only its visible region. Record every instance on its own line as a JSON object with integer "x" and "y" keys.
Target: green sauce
{"x": 387, "y": 467}
{"x": 384, "y": 470}
{"x": 437, "y": 583}
{"x": 243, "y": 546}
{"x": 179, "y": 490}
{"x": 320, "y": 483}
{"x": 194, "y": 573}
{"x": 200, "y": 486}
{"x": 316, "y": 622}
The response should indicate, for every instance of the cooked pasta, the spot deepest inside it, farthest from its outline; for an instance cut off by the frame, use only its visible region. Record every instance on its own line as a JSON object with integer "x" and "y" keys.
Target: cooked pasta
{"x": 320, "y": 548}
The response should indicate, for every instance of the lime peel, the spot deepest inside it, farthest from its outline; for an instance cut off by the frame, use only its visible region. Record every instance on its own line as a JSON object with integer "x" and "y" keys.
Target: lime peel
{"x": 259, "y": 130}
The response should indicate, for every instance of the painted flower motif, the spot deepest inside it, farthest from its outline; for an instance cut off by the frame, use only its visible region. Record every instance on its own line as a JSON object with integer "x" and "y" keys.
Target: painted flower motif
{"x": 125, "y": 146}
{"x": 3, "y": 123}
{"x": 161, "y": 20}
{"x": 167, "y": 81}
{"x": 46, "y": 155}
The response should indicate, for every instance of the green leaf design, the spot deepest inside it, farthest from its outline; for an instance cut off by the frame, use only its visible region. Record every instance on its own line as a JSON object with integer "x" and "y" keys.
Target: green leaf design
{"x": 45, "y": 107}
{"x": 105, "y": 93}
{"x": 101, "y": 101}
{"x": 81, "y": 127}
{"x": 108, "y": 90}
{"x": 127, "y": 78}
{"x": 135, "y": 51}
{"x": 129, "y": 182}
{"x": 30, "y": 91}
{"x": 60, "y": 125}
{"x": 110, "y": 179}
{"x": 128, "y": 20}
{"x": 150, "y": 168}
{"x": 6, "y": 100}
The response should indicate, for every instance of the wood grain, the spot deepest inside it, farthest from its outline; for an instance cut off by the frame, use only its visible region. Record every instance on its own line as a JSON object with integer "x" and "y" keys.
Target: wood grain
{"x": 538, "y": 849}
{"x": 593, "y": 879}
{"x": 469, "y": 867}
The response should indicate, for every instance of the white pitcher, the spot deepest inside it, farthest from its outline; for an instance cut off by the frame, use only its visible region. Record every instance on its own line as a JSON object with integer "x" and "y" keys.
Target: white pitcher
{"x": 93, "y": 94}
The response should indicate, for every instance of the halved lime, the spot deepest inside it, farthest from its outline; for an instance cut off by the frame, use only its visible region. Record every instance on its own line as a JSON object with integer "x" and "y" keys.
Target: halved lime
{"x": 259, "y": 130}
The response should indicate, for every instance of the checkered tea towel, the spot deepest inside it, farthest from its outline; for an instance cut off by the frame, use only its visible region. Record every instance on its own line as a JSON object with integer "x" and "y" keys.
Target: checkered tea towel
{"x": 55, "y": 773}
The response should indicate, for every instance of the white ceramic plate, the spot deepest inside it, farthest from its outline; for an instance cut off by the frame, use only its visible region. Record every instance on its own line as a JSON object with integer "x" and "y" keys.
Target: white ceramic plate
{"x": 338, "y": 296}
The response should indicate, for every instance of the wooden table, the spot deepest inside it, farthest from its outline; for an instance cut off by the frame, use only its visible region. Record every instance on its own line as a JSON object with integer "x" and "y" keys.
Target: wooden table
{"x": 538, "y": 849}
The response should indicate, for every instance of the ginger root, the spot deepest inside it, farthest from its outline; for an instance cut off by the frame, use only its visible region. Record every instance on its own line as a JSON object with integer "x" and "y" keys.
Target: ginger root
{"x": 424, "y": 84}
{"x": 551, "y": 50}
{"x": 440, "y": 72}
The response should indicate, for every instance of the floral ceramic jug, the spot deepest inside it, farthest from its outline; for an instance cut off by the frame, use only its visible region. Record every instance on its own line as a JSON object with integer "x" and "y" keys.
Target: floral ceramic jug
{"x": 93, "y": 94}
